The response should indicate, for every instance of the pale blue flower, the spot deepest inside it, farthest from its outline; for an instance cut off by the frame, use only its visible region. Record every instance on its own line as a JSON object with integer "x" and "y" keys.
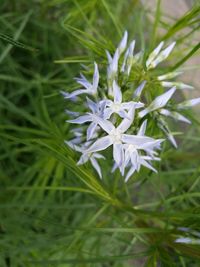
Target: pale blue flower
{"x": 123, "y": 43}
{"x": 117, "y": 106}
{"x": 116, "y": 136}
{"x": 97, "y": 109}
{"x": 157, "y": 56}
{"x": 92, "y": 157}
{"x": 189, "y": 103}
{"x": 89, "y": 88}
{"x": 128, "y": 59}
{"x": 158, "y": 102}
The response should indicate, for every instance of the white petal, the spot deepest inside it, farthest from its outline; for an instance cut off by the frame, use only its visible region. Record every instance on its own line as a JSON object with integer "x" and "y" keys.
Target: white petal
{"x": 124, "y": 61}
{"x": 175, "y": 115}
{"x": 139, "y": 89}
{"x": 142, "y": 129}
{"x": 161, "y": 100}
{"x": 126, "y": 123}
{"x": 114, "y": 65}
{"x": 95, "y": 164}
{"x": 132, "y": 104}
{"x": 83, "y": 81}
{"x": 75, "y": 93}
{"x": 95, "y": 78}
{"x": 153, "y": 54}
{"x": 130, "y": 58}
{"x": 163, "y": 55}
{"x": 101, "y": 144}
{"x": 131, "y": 48}
{"x": 136, "y": 140}
{"x": 117, "y": 93}
{"x": 81, "y": 119}
{"x": 169, "y": 75}
{"x": 172, "y": 140}
{"x": 150, "y": 158}
{"x": 72, "y": 113}
{"x": 118, "y": 154}
{"x": 123, "y": 43}
{"x": 109, "y": 57}
{"x": 92, "y": 105}
{"x": 178, "y": 85}
{"x": 154, "y": 144}
{"x": 83, "y": 159}
{"x": 73, "y": 145}
{"x": 144, "y": 112}
{"x": 123, "y": 114}
{"x": 189, "y": 103}
{"x": 115, "y": 166}
{"x": 135, "y": 160}
{"x": 147, "y": 165}
{"x": 107, "y": 113}
{"x": 130, "y": 173}
{"x": 90, "y": 130}
{"x": 98, "y": 156}
{"x": 105, "y": 124}
{"x": 185, "y": 240}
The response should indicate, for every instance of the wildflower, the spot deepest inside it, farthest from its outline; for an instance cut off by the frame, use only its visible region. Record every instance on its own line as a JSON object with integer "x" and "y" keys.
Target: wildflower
{"x": 90, "y": 88}
{"x": 157, "y": 56}
{"x": 158, "y": 102}
{"x": 118, "y": 119}
{"x": 117, "y": 106}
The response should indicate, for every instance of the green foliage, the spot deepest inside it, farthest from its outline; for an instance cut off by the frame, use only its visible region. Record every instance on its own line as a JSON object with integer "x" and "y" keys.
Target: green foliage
{"x": 53, "y": 212}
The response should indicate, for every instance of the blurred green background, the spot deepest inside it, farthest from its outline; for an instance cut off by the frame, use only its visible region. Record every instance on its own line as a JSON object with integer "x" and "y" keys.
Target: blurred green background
{"x": 53, "y": 213}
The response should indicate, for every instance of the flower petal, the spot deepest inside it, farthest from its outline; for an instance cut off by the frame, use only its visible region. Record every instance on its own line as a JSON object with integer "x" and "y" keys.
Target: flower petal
{"x": 154, "y": 144}
{"x": 83, "y": 81}
{"x": 139, "y": 89}
{"x": 175, "y": 115}
{"x": 107, "y": 113}
{"x": 189, "y": 103}
{"x": 130, "y": 173}
{"x": 142, "y": 129}
{"x": 98, "y": 156}
{"x": 117, "y": 93}
{"x": 95, "y": 78}
{"x": 136, "y": 140}
{"x": 72, "y": 113}
{"x": 123, "y": 43}
{"x": 101, "y": 144}
{"x": 90, "y": 130}
{"x": 158, "y": 102}
{"x": 178, "y": 85}
{"x": 118, "y": 154}
{"x": 75, "y": 93}
{"x": 153, "y": 54}
{"x": 95, "y": 164}
{"x": 147, "y": 165}
{"x": 163, "y": 55}
{"x": 169, "y": 75}
{"x": 105, "y": 124}
{"x": 92, "y": 105}
{"x": 123, "y": 114}
{"x": 126, "y": 123}
{"x": 83, "y": 159}
{"x": 81, "y": 119}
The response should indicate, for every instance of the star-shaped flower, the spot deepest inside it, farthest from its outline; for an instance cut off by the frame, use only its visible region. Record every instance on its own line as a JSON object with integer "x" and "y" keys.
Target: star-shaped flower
{"x": 89, "y": 88}
{"x": 117, "y": 106}
{"x": 116, "y": 136}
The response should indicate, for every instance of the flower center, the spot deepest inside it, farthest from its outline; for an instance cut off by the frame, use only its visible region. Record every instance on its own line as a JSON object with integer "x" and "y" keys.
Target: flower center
{"x": 116, "y": 136}
{"x": 116, "y": 107}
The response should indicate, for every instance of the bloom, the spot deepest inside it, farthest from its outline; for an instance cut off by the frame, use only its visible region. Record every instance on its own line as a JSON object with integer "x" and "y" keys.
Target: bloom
{"x": 115, "y": 114}
{"x": 90, "y": 88}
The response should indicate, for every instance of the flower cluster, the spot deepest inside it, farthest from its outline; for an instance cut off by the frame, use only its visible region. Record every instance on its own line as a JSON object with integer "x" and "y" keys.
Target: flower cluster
{"x": 116, "y": 113}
